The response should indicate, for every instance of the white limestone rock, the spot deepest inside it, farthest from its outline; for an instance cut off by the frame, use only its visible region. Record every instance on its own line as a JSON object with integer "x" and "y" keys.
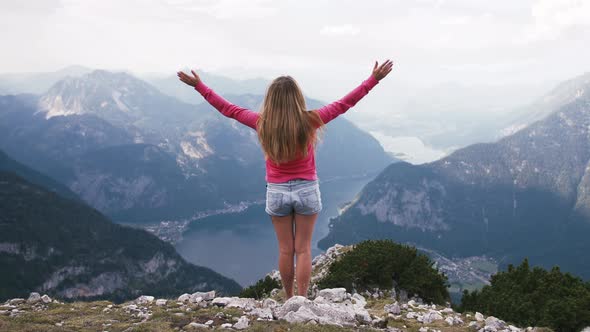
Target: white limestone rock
{"x": 431, "y": 317}
{"x": 334, "y": 294}
{"x": 144, "y": 299}
{"x": 479, "y": 317}
{"x": 453, "y": 320}
{"x": 358, "y": 300}
{"x": 242, "y": 323}
{"x": 17, "y": 301}
{"x": 263, "y": 313}
{"x": 197, "y": 325}
{"x": 34, "y": 298}
{"x": 494, "y": 322}
{"x": 299, "y": 309}
{"x": 269, "y": 303}
{"x": 184, "y": 297}
{"x": 206, "y": 296}
{"x": 393, "y": 308}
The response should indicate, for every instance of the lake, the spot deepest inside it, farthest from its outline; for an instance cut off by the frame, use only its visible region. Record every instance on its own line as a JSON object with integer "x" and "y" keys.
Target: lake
{"x": 243, "y": 245}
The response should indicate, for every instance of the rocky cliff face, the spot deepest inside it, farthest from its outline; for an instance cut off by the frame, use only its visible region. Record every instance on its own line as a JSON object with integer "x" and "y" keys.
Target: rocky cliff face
{"x": 509, "y": 199}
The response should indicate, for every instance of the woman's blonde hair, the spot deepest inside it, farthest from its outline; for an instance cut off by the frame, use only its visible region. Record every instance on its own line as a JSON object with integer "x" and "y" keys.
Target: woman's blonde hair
{"x": 285, "y": 126}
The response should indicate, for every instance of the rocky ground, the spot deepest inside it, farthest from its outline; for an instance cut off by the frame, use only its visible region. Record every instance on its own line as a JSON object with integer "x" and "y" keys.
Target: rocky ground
{"x": 331, "y": 310}
{"x": 324, "y": 310}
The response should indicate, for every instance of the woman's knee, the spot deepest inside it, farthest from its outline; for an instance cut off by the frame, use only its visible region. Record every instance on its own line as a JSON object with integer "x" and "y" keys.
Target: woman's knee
{"x": 286, "y": 249}
{"x": 302, "y": 248}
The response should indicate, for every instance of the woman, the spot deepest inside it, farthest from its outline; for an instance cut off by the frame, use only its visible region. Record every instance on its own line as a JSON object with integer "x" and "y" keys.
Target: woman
{"x": 287, "y": 132}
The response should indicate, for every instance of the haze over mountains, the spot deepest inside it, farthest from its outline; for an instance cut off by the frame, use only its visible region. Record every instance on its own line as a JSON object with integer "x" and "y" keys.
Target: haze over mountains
{"x": 526, "y": 195}
{"x": 138, "y": 155}
{"x": 417, "y": 122}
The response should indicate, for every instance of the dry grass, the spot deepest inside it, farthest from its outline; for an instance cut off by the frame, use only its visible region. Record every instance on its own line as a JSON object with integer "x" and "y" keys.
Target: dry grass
{"x": 89, "y": 316}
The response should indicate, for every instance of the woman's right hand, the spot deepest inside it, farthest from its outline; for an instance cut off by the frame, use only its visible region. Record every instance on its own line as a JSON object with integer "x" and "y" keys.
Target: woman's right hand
{"x": 380, "y": 72}
{"x": 189, "y": 80}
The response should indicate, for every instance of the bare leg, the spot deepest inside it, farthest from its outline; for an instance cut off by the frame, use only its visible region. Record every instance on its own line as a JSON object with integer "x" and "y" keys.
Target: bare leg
{"x": 284, "y": 230}
{"x": 304, "y": 225}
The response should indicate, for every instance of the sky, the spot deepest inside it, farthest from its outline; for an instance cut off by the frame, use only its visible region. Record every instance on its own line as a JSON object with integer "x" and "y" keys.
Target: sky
{"x": 328, "y": 46}
{"x": 431, "y": 41}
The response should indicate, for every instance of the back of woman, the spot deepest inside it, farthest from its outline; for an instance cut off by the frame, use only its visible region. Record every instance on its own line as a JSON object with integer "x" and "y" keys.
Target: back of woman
{"x": 288, "y": 134}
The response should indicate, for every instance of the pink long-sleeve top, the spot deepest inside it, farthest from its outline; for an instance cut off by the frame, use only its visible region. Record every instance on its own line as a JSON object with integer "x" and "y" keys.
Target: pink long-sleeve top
{"x": 302, "y": 168}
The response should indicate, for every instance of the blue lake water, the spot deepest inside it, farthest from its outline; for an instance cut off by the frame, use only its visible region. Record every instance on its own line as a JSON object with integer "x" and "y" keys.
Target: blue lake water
{"x": 243, "y": 245}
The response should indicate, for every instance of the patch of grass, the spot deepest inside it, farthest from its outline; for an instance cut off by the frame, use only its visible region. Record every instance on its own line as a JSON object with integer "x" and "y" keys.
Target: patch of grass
{"x": 283, "y": 326}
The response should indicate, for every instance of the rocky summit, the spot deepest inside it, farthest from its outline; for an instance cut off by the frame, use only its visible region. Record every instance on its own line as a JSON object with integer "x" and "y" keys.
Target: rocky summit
{"x": 329, "y": 309}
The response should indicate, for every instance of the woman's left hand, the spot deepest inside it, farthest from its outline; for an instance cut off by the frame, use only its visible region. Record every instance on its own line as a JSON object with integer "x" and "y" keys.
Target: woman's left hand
{"x": 189, "y": 80}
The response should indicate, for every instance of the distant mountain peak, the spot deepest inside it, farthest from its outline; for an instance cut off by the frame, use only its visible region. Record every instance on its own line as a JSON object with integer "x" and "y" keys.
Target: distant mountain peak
{"x": 94, "y": 92}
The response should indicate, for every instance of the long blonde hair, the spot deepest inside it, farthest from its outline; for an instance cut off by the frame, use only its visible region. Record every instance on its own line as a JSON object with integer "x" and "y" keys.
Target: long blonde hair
{"x": 285, "y": 127}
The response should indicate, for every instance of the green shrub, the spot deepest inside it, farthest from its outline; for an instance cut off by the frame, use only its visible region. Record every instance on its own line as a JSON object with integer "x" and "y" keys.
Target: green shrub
{"x": 534, "y": 297}
{"x": 381, "y": 263}
{"x": 261, "y": 288}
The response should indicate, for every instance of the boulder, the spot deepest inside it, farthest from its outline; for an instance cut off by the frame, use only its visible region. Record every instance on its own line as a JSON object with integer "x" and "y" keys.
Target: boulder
{"x": 195, "y": 299}
{"x": 479, "y": 317}
{"x": 235, "y": 302}
{"x": 207, "y": 296}
{"x": 34, "y": 298}
{"x": 291, "y": 305}
{"x": 453, "y": 320}
{"x": 197, "y": 325}
{"x": 333, "y": 294}
{"x": 494, "y": 322}
{"x": 269, "y": 303}
{"x": 431, "y": 316}
{"x": 301, "y": 315}
{"x": 242, "y": 303}
{"x": 358, "y": 300}
{"x": 184, "y": 297}
{"x": 144, "y": 299}
{"x": 264, "y": 313}
{"x": 45, "y": 299}
{"x": 242, "y": 323}
{"x": 298, "y": 309}
{"x": 161, "y": 302}
{"x": 17, "y": 301}
{"x": 393, "y": 308}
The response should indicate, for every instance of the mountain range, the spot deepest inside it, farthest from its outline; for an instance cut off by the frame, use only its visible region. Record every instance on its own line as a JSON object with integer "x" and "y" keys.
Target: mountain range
{"x": 526, "y": 195}
{"x": 139, "y": 155}
{"x": 59, "y": 245}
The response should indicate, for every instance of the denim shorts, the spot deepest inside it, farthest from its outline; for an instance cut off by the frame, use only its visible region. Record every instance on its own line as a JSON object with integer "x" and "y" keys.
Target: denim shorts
{"x": 299, "y": 196}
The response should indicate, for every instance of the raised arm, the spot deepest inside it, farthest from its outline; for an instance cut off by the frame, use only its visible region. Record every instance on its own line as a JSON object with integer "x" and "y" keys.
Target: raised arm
{"x": 333, "y": 110}
{"x": 243, "y": 115}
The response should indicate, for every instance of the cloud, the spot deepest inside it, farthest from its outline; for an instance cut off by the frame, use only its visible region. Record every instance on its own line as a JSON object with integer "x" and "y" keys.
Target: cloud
{"x": 551, "y": 18}
{"x": 340, "y": 30}
{"x": 229, "y": 9}
{"x": 30, "y": 6}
